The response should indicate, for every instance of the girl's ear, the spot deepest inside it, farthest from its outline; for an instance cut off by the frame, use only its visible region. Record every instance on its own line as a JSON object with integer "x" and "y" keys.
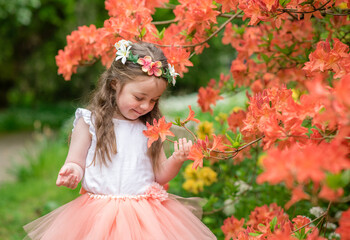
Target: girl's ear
{"x": 114, "y": 84}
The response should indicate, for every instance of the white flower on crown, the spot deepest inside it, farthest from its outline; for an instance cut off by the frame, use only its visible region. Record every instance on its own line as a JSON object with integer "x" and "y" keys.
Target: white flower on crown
{"x": 123, "y": 53}
{"x": 124, "y": 42}
{"x": 172, "y": 72}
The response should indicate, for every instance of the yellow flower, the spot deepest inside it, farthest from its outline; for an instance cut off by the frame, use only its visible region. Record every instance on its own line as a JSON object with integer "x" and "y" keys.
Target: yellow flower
{"x": 193, "y": 186}
{"x": 261, "y": 159}
{"x": 296, "y": 93}
{"x": 221, "y": 118}
{"x": 190, "y": 173}
{"x": 205, "y": 129}
{"x": 236, "y": 109}
{"x": 207, "y": 175}
{"x": 342, "y": 5}
{"x": 197, "y": 179}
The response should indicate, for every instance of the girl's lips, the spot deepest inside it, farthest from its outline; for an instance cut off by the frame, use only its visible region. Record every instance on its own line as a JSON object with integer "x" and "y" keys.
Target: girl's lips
{"x": 137, "y": 112}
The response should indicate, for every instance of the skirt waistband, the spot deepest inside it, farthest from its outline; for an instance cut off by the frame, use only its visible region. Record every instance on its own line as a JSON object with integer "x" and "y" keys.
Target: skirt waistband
{"x": 154, "y": 191}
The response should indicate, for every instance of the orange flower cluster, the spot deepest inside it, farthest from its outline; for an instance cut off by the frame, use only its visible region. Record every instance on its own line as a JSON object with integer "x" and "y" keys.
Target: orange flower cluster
{"x": 276, "y": 115}
{"x": 274, "y": 48}
{"x": 128, "y": 19}
{"x": 267, "y": 222}
{"x": 324, "y": 58}
{"x": 344, "y": 225}
{"x": 202, "y": 150}
{"x": 159, "y": 129}
{"x": 132, "y": 20}
{"x": 297, "y": 167}
{"x": 302, "y": 156}
{"x": 272, "y": 10}
{"x": 206, "y": 97}
{"x": 197, "y": 16}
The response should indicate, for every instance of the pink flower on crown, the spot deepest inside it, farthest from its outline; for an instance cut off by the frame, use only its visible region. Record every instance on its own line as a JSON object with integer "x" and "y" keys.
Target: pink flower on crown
{"x": 149, "y": 66}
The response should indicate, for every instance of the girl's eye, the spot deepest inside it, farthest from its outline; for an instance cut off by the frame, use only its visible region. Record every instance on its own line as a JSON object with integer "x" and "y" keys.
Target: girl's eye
{"x": 138, "y": 99}
{"x": 154, "y": 101}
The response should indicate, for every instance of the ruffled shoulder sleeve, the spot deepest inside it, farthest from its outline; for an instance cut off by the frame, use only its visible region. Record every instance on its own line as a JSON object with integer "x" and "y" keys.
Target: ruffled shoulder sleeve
{"x": 86, "y": 115}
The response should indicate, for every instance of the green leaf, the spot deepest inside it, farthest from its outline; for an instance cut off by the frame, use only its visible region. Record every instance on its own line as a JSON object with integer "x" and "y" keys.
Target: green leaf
{"x": 265, "y": 57}
{"x": 161, "y": 33}
{"x": 273, "y": 224}
{"x": 284, "y": 2}
{"x": 229, "y": 138}
{"x": 133, "y": 58}
{"x": 339, "y": 180}
{"x": 239, "y": 137}
{"x": 239, "y": 30}
{"x": 143, "y": 32}
{"x": 270, "y": 36}
{"x": 307, "y": 122}
{"x": 236, "y": 145}
{"x": 254, "y": 234}
{"x": 307, "y": 2}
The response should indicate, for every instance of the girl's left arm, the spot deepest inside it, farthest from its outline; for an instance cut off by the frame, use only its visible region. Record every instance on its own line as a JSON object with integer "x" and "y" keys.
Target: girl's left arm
{"x": 169, "y": 168}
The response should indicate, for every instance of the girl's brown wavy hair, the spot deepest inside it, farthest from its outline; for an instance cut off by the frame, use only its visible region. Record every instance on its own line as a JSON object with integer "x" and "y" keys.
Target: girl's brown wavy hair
{"x": 103, "y": 102}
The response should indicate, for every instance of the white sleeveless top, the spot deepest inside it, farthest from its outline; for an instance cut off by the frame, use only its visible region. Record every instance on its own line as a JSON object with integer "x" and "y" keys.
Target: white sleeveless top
{"x": 130, "y": 173}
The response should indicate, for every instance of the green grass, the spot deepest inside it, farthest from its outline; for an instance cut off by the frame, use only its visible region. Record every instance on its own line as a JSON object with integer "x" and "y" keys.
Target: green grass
{"x": 173, "y": 107}
{"x": 23, "y": 118}
{"x": 34, "y": 193}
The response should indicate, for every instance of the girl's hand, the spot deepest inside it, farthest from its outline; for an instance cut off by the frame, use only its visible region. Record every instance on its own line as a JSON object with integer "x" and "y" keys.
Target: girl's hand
{"x": 69, "y": 175}
{"x": 182, "y": 149}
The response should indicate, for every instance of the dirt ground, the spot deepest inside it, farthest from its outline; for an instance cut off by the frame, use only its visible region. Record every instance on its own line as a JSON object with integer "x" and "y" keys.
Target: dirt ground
{"x": 12, "y": 150}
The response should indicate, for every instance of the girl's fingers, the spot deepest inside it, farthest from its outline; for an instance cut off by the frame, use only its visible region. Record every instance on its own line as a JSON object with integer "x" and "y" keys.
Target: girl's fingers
{"x": 180, "y": 144}
{"x": 58, "y": 181}
{"x": 63, "y": 171}
{"x": 176, "y": 148}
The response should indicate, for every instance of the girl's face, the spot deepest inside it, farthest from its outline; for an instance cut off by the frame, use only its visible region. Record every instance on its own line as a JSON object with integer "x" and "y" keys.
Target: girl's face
{"x": 137, "y": 98}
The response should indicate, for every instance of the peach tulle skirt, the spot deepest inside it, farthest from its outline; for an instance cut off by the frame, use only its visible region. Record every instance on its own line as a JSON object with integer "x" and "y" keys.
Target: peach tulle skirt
{"x": 154, "y": 215}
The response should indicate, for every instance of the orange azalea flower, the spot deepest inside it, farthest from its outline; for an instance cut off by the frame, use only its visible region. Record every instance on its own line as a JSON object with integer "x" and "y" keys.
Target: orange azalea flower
{"x": 206, "y": 97}
{"x": 330, "y": 194}
{"x": 190, "y": 116}
{"x": 235, "y": 120}
{"x": 217, "y": 144}
{"x": 159, "y": 129}
{"x": 344, "y": 225}
{"x": 324, "y": 58}
{"x": 232, "y": 227}
{"x": 300, "y": 221}
{"x": 342, "y": 90}
{"x": 151, "y": 133}
{"x": 265, "y": 214}
{"x": 228, "y": 5}
{"x": 297, "y": 195}
{"x": 163, "y": 128}
{"x": 196, "y": 154}
{"x": 179, "y": 58}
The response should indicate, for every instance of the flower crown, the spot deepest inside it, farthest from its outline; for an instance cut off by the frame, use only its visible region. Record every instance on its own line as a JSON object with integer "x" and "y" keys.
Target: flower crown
{"x": 152, "y": 68}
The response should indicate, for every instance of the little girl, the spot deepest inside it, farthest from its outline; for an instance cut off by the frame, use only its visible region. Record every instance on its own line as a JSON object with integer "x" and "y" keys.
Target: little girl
{"x": 122, "y": 197}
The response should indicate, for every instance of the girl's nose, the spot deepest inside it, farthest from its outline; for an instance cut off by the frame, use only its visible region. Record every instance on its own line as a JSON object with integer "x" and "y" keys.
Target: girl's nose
{"x": 144, "y": 105}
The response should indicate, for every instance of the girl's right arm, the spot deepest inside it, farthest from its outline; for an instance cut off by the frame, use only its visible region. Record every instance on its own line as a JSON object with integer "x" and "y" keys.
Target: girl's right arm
{"x": 73, "y": 170}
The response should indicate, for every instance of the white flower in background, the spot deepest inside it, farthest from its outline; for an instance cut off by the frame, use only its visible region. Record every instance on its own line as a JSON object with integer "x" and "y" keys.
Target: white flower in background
{"x": 123, "y": 53}
{"x": 242, "y": 187}
{"x": 330, "y": 226}
{"x": 229, "y": 207}
{"x": 316, "y": 211}
{"x": 122, "y": 42}
{"x": 172, "y": 72}
{"x": 338, "y": 215}
{"x": 334, "y": 236}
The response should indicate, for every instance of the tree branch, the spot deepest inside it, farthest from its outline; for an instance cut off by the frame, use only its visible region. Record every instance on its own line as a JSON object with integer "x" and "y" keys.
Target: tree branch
{"x": 206, "y": 40}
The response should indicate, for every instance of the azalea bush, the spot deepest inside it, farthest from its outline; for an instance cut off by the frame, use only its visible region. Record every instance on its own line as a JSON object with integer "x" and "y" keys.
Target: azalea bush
{"x": 278, "y": 168}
